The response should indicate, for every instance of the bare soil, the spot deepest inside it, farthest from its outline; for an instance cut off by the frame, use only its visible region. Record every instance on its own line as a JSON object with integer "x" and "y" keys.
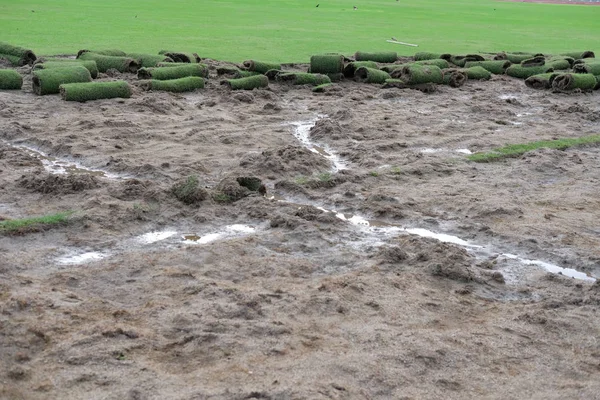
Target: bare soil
{"x": 307, "y": 306}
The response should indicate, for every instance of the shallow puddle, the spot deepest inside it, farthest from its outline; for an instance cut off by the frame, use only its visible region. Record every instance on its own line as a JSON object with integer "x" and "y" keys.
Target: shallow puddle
{"x": 228, "y": 232}
{"x": 432, "y": 151}
{"x": 82, "y": 258}
{"x": 153, "y": 237}
{"x": 302, "y": 133}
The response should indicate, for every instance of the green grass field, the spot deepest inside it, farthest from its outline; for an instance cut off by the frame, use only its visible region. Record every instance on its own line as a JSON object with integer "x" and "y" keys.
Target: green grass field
{"x": 291, "y": 31}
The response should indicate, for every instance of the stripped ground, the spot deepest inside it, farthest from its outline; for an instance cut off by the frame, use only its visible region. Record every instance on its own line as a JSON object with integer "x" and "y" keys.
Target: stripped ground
{"x": 325, "y": 286}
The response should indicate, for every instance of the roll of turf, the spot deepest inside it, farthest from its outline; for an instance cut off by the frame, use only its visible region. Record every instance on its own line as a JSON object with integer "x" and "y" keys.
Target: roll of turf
{"x": 437, "y": 62}
{"x": 108, "y": 52}
{"x": 380, "y": 57}
{"x": 252, "y": 82}
{"x": 187, "y": 84}
{"x": 10, "y": 79}
{"x": 149, "y": 60}
{"x": 259, "y": 66}
{"x": 497, "y": 67}
{"x": 322, "y": 88}
{"x": 371, "y": 75}
{"x": 400, "y": 84}
{"x": 95, "y": 91}
{"x": 244, "y": 74}
{"x": 541, "y": 81}
{"x": 558, "y": 64}
{"x": 514, "y": 58}
{"x": 351, "y": 67}
{"x": 393, "y": 67}
{"x": 227, "y": 70}
{"x": 587, "y": 68}
{"x": 518, "y": 71}
{"x": 171, "y": 64}
{"x": 89, "y": 65}
{"x": 574, "y": 81}
{"x": 417, "y": 74}
{"x": 477, "y": 73}
{"x": 576, "y": 54}
{"x": 422, "y": 56}
{"x": 454, "y": 78}
{"x": 14, "y": 60}
{"x": 327, "y": 64}
{"x": 303, "y": 78}
{"x": 47, "y": 81}
{"x": 536, "y": 61}
{"x": 181, "y": 57}
{"x": 104, "y": 63}
{"x": 272, "y": 74}
{"x": 462, "y": 60}
{"x": 166, "y": 73}
{"x": 18, "y": 56}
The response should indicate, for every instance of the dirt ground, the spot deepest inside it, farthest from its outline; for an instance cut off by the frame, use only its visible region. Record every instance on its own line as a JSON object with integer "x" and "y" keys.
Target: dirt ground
{"x": 280, "y": 298}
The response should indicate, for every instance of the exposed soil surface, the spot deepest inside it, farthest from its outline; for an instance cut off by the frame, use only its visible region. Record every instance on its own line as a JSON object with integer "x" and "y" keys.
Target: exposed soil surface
{"x": 273, "y": 295}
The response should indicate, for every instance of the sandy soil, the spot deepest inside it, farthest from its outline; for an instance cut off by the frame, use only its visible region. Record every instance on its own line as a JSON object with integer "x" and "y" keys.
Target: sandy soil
{"x": 280, "y": 298}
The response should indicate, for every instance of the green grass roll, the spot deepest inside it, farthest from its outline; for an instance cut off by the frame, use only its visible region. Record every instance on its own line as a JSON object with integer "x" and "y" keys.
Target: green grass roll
{"x": 515, "y": 58}
{"x": 187, "y": 84}
{"x": 518, "y": 71}
{"x": 244, "y": 74}
{"x": 417, "y": 74}
{"x": 462, "y": 60}
{"x": 351, "y": 67}
{"x": 166, "y": 73}
{"x": 259, "y": 66}
{"x": 558, "y": 64}
{"x": 10, "y": 79}
{"x": 18, "y": 56}
{"x": 272, "y": 74}
{"x": 541, "y": 81}
{"x": 89, "y": 65}
{"x": 227, "y": 70}
{"x": 47, "y": 81}
{"x": 574, "y": 81}
{"x": 380, "y": 57}
{"x": 149, "y": 60}
{"x": 14, "y": 60}
{"x": 423, "y": 56}
{"x": 95, "y": 91}
{"x": 497, "y": 67}
{"x": 171, "y": 64}
{"x": 587, "y": 68}
{"x": 104, "y": 63}
{"x": 392, "y": 67}
{"x": 454, "y": 77}
{"x": 371, "y": 75}
{"x": 303, "y": 78}
{"x": 327, "y": 64}
{"x": 440, "y": 63}
{"x": 181, "y": 57}
{"x": 477, "y": 73}
{"x": 108, "y": 52}
{"x": 252, "y": 82}
{"x": 576, "y": 54}
{"x": 536, "y": 61}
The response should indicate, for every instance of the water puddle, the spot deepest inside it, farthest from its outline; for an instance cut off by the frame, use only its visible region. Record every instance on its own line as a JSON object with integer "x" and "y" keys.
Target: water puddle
{"x": 228, "y": 232}
{"x": 302, "y": 133}
{"x": 82, "y": 258}
{"x": 555, "y": 269}
{"x": 432, "y": 151}
{"x": 153, "y": 237}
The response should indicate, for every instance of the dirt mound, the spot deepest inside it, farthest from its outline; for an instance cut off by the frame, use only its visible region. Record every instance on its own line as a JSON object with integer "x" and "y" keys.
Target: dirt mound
{"x": 327, "y": 129}
{"x": 59, "y": 184}
{"x": 287, "y": 161}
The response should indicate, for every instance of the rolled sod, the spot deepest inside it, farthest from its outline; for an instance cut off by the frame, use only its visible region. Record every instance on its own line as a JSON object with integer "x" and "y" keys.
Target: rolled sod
{"x": 371, "y": 75}
{"x": 440, "y": 63}
{"x": 417, "y": 74}
{"x": 574, "y": 81}
{"x": 10, "y": 79}
{"x": 536, "y": 61}
{"x": 95, "y": 91}
{"x": 259, "y": 66}
{"x": 272, "y": 74}
{"x": 514, "y": 58}
{"x": 497, "y": 67}
{"x": 350, "y": 68}
{"x": 587, "y": 68}
{"x": 477, "y": 73}
{"x": 181, "y": 57}
{"x": 89, "y": 65}
{"x": 327, "y": 64}
{"x": 108, "y": 52}
{"x": 400, "y": 84}
{"x": 149, "y": 60}
{"x": 166, "y": 73}
{"x": 252, "y": 82}
{"x": 47, "y": 81}
{"x": 518, "y": 71}
{"x": 303, "y": 78}
{"x": 104, "y": 63}
{"x": 454, "y": 77}
{"x": 576, "y": 54}
{"x": 381, "y": 57}
{"x": 187, "y": 84}
{"x": 558, "y": 64}
{"x": 462, "y": 60}
{"x": 393, "y": 67}
{"x": 422, "y": 56}
{"x": 541, "y": 81}
{"x": 225, "y": 70}
{"x": 18, "y": 56}
{"x": 322, "y": 88}
{"x": 171, "y": 64}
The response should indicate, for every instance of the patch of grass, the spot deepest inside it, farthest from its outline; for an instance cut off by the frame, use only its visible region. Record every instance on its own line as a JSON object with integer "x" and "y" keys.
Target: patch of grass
{"x": 292, "y": 31}
{"x": 395, "y": 170}
{"x": 324, "y": 176}
{"x": 301, "y": 180}
{"x": 34, "y": 223}
{"x": 188, "y": 191}
{"x": 221, "y": 197}
{"x": 515, "y": 150}
{"x": 374, "y": 173}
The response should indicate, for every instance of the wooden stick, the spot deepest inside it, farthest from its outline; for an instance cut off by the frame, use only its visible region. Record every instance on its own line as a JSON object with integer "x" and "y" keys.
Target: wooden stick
{"x": 406, "y": 44}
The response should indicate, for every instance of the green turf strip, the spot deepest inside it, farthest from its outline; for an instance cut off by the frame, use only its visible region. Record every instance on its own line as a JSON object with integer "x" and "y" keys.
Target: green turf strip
{"x": 371, "y": 75}
{"x": 94, "y": 91}
{"x": 574, "y": 81}
{"x": 187, "y": 84}
{"x": 327, "y": 64}
{"x": 259, "y": 66}
{"x": 516, "y": 150}
{"x": 423, "y": 56}
{"x": 17, "y": 55}
{"x": 149, "y": 60}
{"x": 12, "y": 225}
{"x": 477, "y": 73}
{"x": 10, "y": 79}
{"x": 166, "y": 73}
{"x": 104, "y": 63}
{"x": 303, "y": 78}
{"x": 417, "y": 74}
{"x": 518, "y": 71}
{"x": 380, "y": 57}
{"x": 89, "y": 65}
{"x": 249, "y": 83}
{"x": 47, "y": 81}
{"x": 497, "y": 67}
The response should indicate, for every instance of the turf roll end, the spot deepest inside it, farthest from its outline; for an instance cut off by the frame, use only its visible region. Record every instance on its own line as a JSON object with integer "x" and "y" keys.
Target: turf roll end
{"x": 541, "y": 81}
{"x": 149, "y": 60}
{"x": 587, "y": 68}
{"x": 47, "y": 81}
{"x": 351, "y": 67}
{"x": 462, "y": 60}
{"x": 18, "y": 56}
{"x": 454, "y": 78}
{"x": 371, "y": 75}
{"x": 181, "y": 57}
{"x": 381, "y": 57}
{"x": 10, "y": 80}
{"x": 83, "y": 92}
{"x": 259, "y": 66}
{"x": 249, "y": 83}
{"x": 569, "y": 82}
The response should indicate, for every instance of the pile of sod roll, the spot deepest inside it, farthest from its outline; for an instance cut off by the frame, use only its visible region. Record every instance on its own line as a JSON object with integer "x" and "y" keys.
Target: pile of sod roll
{"x": 91, "y": 74}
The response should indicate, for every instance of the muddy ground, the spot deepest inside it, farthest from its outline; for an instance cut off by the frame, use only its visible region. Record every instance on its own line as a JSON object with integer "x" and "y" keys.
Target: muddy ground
{"x": 279, "y": 299}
